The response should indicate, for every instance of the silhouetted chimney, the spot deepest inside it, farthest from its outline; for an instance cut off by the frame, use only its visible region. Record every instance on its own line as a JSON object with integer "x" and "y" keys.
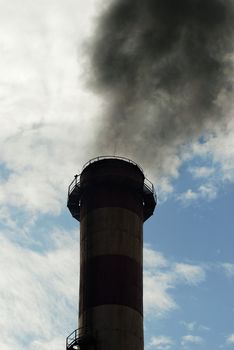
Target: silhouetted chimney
{"x": 111, "y": 199}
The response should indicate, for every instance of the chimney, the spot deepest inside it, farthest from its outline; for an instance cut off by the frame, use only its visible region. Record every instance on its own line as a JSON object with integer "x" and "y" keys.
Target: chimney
{"x": 111, "y": 198}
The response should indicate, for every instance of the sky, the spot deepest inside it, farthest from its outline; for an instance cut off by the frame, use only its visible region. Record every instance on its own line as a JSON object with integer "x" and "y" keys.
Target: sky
{"x": 49, "y": 120}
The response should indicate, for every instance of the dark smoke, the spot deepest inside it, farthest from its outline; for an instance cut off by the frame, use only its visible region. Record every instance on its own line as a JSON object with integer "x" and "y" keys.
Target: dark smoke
{"x": 165, "y": 68}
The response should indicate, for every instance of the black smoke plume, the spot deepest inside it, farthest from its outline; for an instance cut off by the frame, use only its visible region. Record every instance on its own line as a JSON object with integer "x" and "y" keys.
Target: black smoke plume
{"x": 165, "y": 68}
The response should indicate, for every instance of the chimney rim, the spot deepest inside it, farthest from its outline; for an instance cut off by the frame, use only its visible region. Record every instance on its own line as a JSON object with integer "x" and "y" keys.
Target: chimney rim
{"x": 125, "y": 159}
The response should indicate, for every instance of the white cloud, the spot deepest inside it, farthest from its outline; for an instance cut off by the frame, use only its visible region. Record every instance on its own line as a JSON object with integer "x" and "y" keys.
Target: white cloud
{"x": 216, "y": 149}
{"x": 194, "y": 326}
{"x": 157, "y": 299}
{"x": 191, "y": 339}
{"x": 190, "y": 326}
{"x": 201, "y": 172}
{"x": 161, "y": 276}
{"x": 161, "y": 343}
{"x": 53, "y": 344}
{"x": 228, "y": 269}
{"x": 189, "y": 195}
{"x": 230, "y": 339}
{"x": 37, "y": 293}
{"x": 220, "y": 148}
{"x": 157, "y": 283}
{"x": 216, "y": 162}
{"x": 206, "y": 191}
{"x": 204, "y": 328}
{"x": 153, "y": 259}
{"x": 191, "y": 274}
{"x": 46, "y": 114}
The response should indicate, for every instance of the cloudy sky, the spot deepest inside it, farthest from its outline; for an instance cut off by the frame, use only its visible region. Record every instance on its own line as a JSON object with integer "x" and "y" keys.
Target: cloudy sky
{"x": 49, "y": 120}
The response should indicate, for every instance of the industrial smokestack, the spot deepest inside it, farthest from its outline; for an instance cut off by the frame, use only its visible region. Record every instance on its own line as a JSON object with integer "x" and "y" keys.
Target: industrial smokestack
{"x": 111, "y": 199}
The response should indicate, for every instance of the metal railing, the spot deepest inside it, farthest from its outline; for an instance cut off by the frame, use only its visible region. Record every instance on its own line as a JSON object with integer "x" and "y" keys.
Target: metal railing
{"x": 83, "y": 332}
{"x": 150, "y": 187}
{"x": 74, "y": 183}
{"x": 71, "y": 338}
{"x": 75, "y": 335}
{"x": 96, "y": 159}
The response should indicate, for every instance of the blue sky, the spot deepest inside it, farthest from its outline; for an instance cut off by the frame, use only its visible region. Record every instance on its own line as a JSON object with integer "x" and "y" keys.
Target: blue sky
{"x": 49, "y": 120}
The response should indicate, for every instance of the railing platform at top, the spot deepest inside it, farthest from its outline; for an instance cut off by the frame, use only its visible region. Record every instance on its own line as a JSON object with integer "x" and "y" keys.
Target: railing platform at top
{"x": 76, "y": 181}
{"x": 96, "y": 159}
